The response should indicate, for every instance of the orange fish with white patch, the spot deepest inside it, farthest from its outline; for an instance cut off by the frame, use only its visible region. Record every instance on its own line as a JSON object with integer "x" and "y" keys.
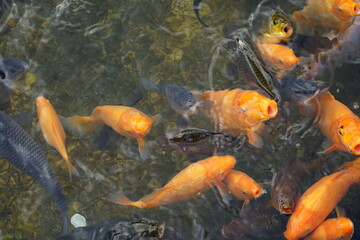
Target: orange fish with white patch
{"x": 333, "y": 229}
{"x": 53, "y": 130}
{"x": 332, "y": 14}
{"x": 318, "y": 201}
{"x": 336, "y": 121}
{"x": 237, "y": 111}
{"x": 242, "y": 185}
{"x": 190, "y": 182}
{"x": 279, "y": 57}
{"x": 126, "y": 121}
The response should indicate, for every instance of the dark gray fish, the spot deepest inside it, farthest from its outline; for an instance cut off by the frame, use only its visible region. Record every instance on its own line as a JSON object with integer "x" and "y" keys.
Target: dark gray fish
{"x": 250, "y": 63}
{"x": 5, "y": 5}
{"x": 5, "y": 93}
{"x": 197, "y": 141}
{"x": 20, "y": 149}
{"x": 285, "y": 184}
{"x": 117, "y": 228}
{"x": 197, "y": 14}
{"x": 180, "y": 99}
{"x": 312, "y": 44}
{"x": 293, "y": 89}
{"x": 10, "y": 70}
{"x": 261, "y": 223}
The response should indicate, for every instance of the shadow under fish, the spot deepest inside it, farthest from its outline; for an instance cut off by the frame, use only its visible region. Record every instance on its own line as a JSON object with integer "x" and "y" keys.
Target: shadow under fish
{"x": 117, "y": 228}
{"x": 10, "y": 70}
{"x": 198, "y": 141}
{"x": 20, "y": 149}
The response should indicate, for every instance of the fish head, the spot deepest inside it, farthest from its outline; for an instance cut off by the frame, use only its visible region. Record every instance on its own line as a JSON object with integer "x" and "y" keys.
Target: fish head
{"x": 271, "y": 24}
{"x": 252, "y": 190}
{"x": 285, "y": 204}
{"x": 345, "y": 9}
{"x": 41, "y": 102}
{"x": 11, "y": 69}
{"x": 280, "y": 25}
{"x": 297, "y": 90}
{"x": 217, "y": 167}
{"x": 349, "y": 133}
{"x": 185, "y": 103}
{"x": 256, "y": 106}
{"x": 345, "y": 228}
{"x": 141, "y": 123}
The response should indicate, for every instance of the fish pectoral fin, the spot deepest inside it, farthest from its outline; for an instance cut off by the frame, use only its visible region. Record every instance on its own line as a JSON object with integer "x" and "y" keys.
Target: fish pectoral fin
{"x": 145, "y": 148}
{"x": 156, "y": 119}
{"x": 224, "y": 192}
{"x": 340, "y": 212}
{"x": 255, "y": 139}
{"x": 329, "y": 149}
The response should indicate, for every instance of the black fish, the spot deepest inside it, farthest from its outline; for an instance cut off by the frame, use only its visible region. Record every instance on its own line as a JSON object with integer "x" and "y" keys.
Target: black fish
{"x": 197, "y": 14}
{"x": 117, "y": 229}
{"x": 20, "y": 149}
{"x": 10, "y": 70}
{"x": 250, "y": 63}
{"x": 293, "y": 89}
{"x": 197, "y": 141}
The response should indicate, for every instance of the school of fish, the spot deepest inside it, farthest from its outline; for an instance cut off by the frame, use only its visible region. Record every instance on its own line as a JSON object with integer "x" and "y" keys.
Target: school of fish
{"x": 267, "y": 54}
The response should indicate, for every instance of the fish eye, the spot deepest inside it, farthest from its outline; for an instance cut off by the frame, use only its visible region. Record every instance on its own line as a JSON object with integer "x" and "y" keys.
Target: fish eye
{"x": 244, "y": 192}
{"x": 341, "y": 130}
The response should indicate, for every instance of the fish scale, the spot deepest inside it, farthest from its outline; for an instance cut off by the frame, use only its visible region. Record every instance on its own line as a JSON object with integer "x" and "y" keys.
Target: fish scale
{"x": 19, "y": 148}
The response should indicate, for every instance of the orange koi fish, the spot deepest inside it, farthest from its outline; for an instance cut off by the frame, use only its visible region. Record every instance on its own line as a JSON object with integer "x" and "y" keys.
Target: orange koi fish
{"x": 279, "y": 57}
{"x": 53, "y": 130}
{"x": 333, "y": 229}
{"x": 332, "y": 14}
{"x": 318, "y": 201}
{"x": 242, "y": 185}
{"x": 237, "y": 111}
{"x": 126, "y": 121}
{"x": 190, "y": 182}
{"x": 337, "y": 122}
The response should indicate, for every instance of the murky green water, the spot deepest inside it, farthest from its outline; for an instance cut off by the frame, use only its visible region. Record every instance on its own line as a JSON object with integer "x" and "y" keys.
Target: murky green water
{"x": 88, "y": 53}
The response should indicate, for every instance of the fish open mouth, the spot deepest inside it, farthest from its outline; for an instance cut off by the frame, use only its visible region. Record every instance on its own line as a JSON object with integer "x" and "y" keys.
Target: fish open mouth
{"x": 356, "y": 149}
{"x": 272, "y": 110}
{"x": 357, "y": 10}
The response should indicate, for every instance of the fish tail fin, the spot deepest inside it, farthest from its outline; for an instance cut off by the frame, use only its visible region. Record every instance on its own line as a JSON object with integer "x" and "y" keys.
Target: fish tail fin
{"x": 71, "y": 168}
{"x": 119, "y": 198}
{"x": 145, "y": 148}
{"x": 255, "y": 139}
{"x": 81, "y": 125}
{"x": 149, "y": 85}
{"x": 65, "y": 224}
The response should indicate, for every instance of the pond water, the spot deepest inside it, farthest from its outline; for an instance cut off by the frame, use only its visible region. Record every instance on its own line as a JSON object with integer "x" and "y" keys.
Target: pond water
{"x": 83, "y": 54}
